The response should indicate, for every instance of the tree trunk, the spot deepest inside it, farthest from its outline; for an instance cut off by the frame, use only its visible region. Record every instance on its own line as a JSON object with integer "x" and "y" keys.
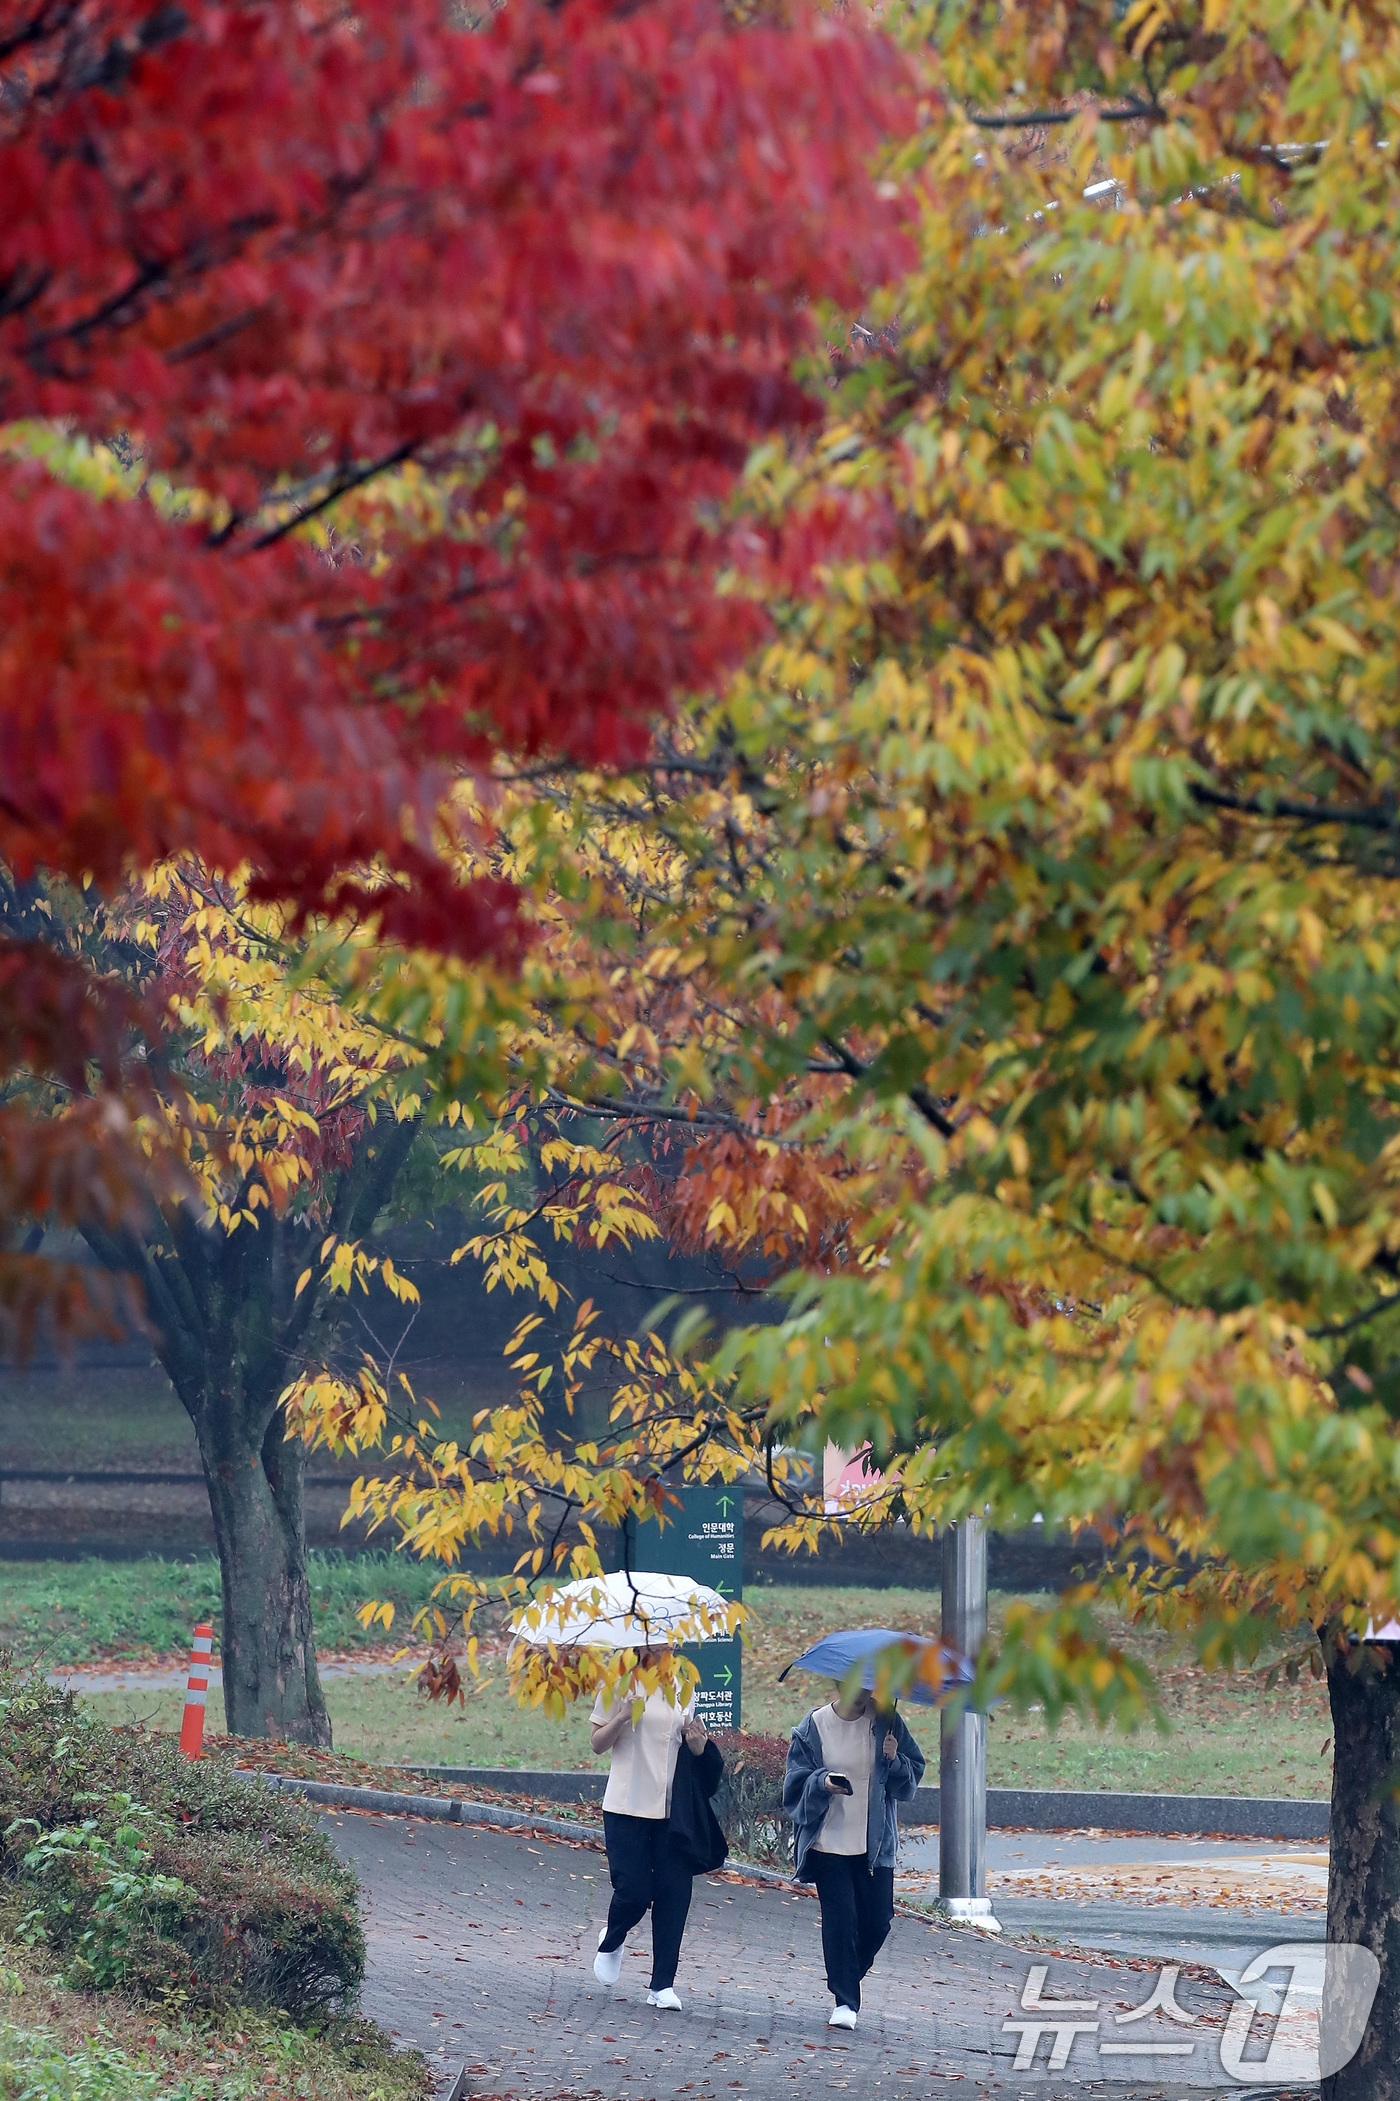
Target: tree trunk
{"x": 1363, "y": 1888}
{"x": 231, "y": 1329}
{"x": 271, "y": 1685}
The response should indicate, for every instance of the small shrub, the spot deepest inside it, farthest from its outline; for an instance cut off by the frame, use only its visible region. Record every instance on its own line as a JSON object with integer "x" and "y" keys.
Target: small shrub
{"x": 108, "y": 1879}
{"x": 749, "y": 1800}
{"x": 178, "y": 1880}
{"x": 33, "y": 2067}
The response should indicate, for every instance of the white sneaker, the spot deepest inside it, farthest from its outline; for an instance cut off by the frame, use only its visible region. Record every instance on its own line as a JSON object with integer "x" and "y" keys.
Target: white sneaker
{"x": 842, "y": 2017}
{"x": 665, "y": 1998}
{"x": 607, "y": 1968}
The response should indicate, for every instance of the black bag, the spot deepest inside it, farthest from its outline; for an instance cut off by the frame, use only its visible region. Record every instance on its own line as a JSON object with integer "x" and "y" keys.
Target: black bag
{"x": 693, "y": 1825}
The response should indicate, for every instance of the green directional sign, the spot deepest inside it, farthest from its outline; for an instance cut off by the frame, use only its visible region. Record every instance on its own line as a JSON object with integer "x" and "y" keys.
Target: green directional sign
{"x": 703, "y": 1537}
{"x": 717, "y": 1699}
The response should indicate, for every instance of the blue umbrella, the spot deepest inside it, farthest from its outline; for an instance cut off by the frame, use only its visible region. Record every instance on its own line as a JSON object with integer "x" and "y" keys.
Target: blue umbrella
{"x": 835, "y": 1654}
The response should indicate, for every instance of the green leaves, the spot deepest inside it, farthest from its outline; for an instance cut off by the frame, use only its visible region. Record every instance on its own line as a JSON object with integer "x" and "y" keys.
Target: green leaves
{"x": 1012, "y": 952}
{"x": 1075, "y": 846}
{"x": 108, "y": 1875}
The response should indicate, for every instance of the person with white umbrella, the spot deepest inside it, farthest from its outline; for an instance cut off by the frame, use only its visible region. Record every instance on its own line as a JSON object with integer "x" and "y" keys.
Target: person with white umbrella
{"x": 657, "y": 1823}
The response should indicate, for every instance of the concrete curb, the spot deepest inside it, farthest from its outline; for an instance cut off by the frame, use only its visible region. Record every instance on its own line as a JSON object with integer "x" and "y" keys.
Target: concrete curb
{"x": 1182, "y": 1816}
{"x": 437, "y": 1808}
{"x": 451, "y": 1810}
{"x": 552, "y": 1784}
{"x": 1013, "y": 1808}
{"x": 1008, "y": 1808}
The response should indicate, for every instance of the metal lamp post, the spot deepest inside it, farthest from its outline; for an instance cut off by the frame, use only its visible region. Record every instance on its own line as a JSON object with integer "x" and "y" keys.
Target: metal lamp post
{"x": 962, "y": 1750}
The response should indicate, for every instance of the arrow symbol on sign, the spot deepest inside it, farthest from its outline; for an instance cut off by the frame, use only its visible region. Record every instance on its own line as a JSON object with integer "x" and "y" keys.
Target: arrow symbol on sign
{"x": 725, "y": 1677}
{"x": 725, "y": 1504}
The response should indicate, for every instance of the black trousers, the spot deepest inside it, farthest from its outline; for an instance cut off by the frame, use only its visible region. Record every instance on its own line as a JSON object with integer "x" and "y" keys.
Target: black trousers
{"x": 647, "y": 1875}
{"x": 857, "y": 1912}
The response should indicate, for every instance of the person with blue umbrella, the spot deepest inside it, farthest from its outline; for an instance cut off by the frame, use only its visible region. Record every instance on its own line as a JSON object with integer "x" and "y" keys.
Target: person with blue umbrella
{"x": 848, "y": 1765}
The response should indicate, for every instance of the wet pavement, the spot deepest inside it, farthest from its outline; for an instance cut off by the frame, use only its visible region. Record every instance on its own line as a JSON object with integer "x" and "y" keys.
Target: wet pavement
{"x": 141, "y": 1677}
{"x": 481, "y": 1946}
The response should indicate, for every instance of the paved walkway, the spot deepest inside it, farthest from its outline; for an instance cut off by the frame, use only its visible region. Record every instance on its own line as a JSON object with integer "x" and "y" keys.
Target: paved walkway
{"x": 142, "y": 1677}
{"x": 481, "y": 1948}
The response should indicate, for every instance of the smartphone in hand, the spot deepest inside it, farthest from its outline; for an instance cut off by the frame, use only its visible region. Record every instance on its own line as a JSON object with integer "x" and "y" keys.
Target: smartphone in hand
{"x": 841, "y": 1783}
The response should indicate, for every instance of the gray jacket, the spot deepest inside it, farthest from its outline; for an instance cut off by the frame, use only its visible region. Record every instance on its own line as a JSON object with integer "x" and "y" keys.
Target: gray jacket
{"x": 806, "y": 1796}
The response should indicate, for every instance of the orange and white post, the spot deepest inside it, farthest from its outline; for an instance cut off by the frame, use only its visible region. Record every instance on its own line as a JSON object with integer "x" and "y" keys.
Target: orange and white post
{"x": 197, "y": 1691}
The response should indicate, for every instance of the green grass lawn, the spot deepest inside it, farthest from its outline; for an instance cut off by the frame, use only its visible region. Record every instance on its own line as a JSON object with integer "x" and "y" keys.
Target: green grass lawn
{"x": 1227, "y": 1735}
{"x": 76, "y": 1611}
{"x": 385, "y": 1721}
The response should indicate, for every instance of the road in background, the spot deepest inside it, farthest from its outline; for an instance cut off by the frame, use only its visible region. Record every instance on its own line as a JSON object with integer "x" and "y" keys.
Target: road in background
{"x": 1196, "y": 1900}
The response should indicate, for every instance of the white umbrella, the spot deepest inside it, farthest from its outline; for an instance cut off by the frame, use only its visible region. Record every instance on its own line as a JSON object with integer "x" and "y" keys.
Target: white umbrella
{"x": 624, "y": 1612}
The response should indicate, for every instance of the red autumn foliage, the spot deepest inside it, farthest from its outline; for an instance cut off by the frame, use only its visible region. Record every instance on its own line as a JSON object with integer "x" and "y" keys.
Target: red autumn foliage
{"x": 57, "y": 1017}
{"x": 750, "y": 1749}
{"x": 564, "y": 261}
{"x": 788, "y": 1205}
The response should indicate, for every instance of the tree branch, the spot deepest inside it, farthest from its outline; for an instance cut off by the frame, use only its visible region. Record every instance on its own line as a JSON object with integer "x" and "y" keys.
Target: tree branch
{"x": 179, "y": 1350}
{"x": 1355, "y": 1320}
{"x": 1373, "y": 817}
{"x": 1124, "y": 113}
{"x": 919, "y": 1095}
{"x": 364, "y": 1189}
{"x": 645, "y": 1112}
{"x": 340, "y": 486}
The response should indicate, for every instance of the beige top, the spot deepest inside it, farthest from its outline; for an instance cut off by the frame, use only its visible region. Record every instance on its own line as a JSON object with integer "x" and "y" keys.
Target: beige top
{"x": 644, "y": 1757}
{"x": 849, "y": 1748}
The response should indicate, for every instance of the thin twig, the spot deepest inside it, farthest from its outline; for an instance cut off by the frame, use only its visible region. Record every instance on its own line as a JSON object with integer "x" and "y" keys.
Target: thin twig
{"x": 341, "y": 486}
{"x": 1374, "y": 817}
{"x": 1355, "y": 1320}
{"x": 1127, "y": 113}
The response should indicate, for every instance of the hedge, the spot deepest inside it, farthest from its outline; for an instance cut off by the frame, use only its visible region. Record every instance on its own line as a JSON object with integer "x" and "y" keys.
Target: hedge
{"x": 749, "y": 1800}
{"x": 177, "y": 1880}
